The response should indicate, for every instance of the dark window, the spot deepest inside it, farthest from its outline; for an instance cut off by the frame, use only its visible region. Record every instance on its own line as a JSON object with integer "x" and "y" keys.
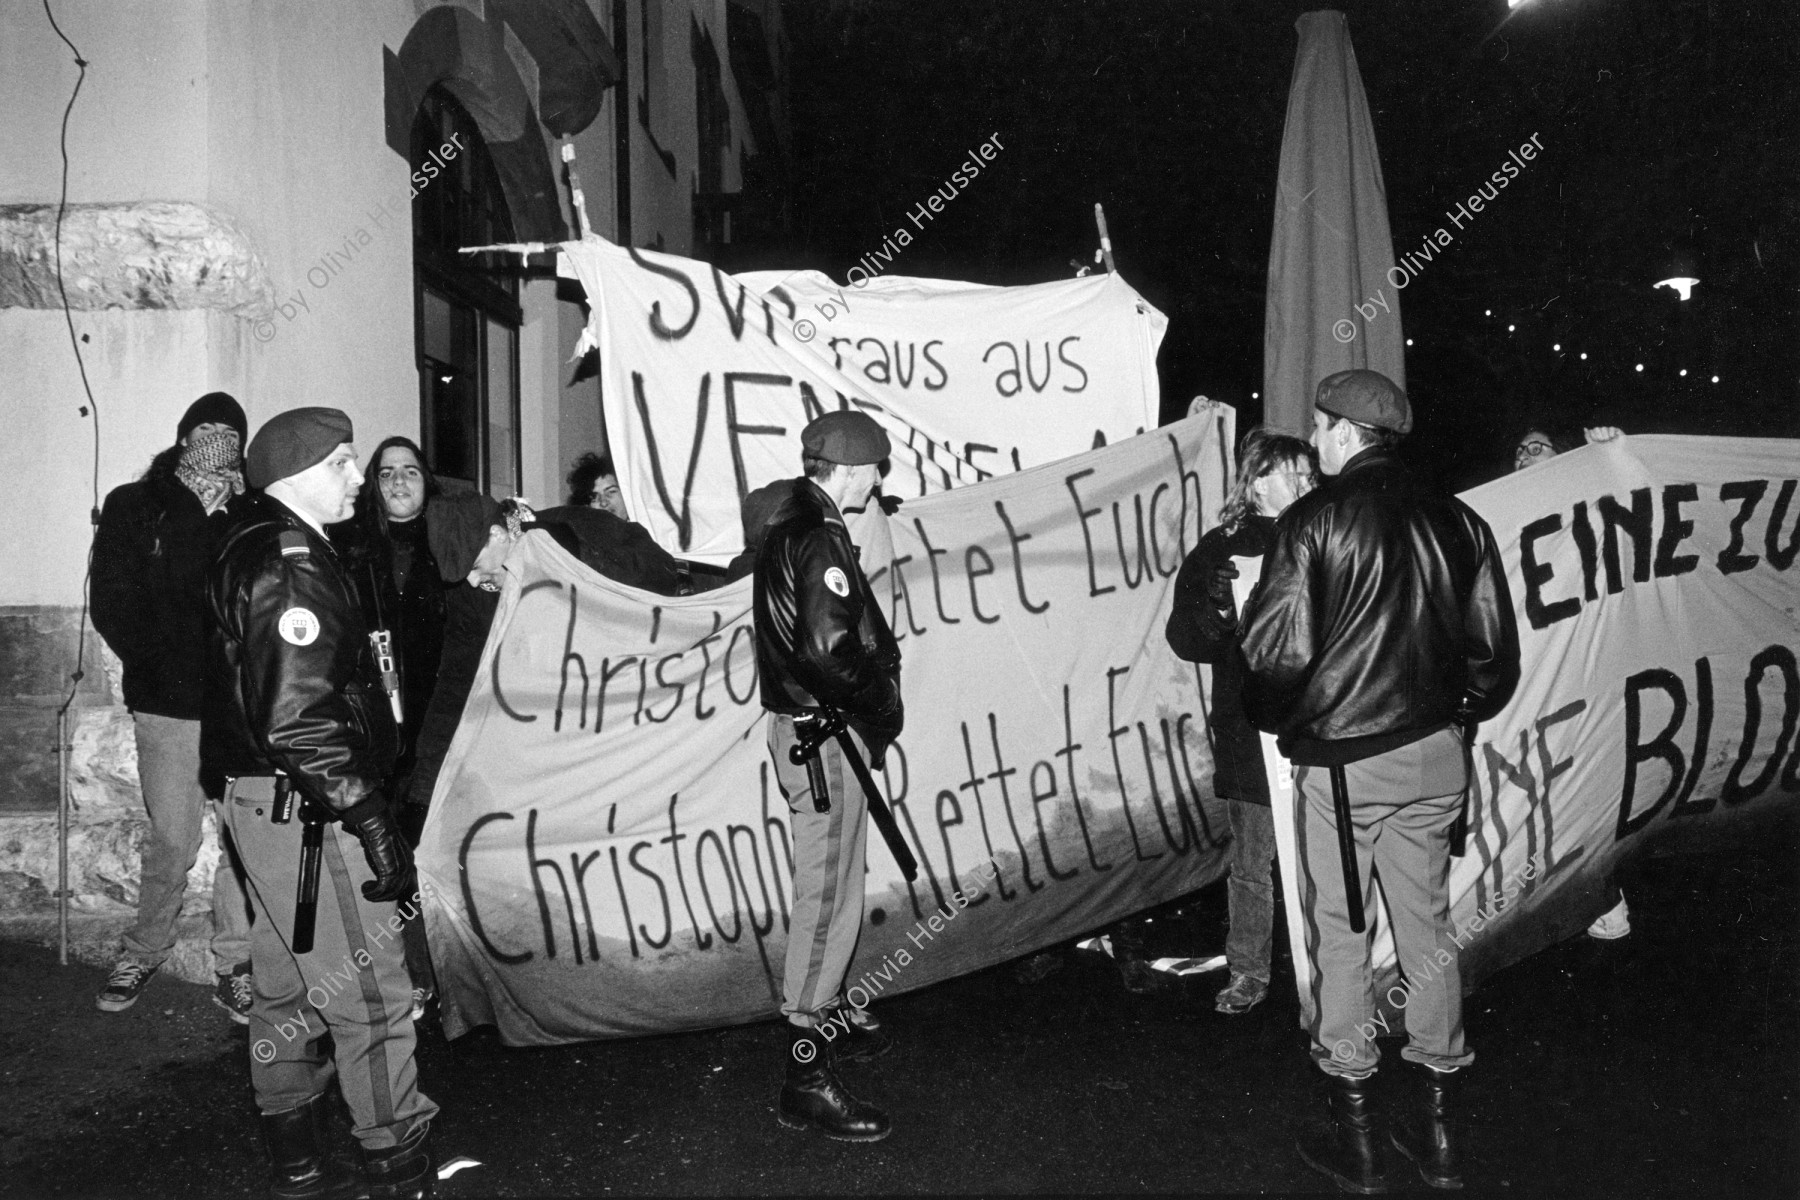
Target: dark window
{"x": 467, "y": 314}
{"x": 712, "y": 124}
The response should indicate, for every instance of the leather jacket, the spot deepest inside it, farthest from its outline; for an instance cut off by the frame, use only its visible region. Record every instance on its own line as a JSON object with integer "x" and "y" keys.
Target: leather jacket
{"x": 1382, "y": 616}
{"x": 821, "y": 637}
{"x": 291, "y": 680}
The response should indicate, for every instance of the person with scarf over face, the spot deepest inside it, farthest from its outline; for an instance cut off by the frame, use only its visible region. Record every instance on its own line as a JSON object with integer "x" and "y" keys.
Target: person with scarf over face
{"x": 157, "y": 537}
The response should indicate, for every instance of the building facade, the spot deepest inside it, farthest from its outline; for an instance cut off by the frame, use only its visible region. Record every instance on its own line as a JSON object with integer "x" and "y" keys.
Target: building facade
{"x": 269, "y": 198}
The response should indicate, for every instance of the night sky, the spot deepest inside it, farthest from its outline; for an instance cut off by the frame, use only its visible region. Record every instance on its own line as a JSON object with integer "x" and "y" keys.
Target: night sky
{"x": 1668, "y": 129}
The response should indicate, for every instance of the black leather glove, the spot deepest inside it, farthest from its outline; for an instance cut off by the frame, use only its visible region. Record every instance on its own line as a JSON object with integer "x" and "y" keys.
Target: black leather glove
{"x": 383, "y": 847}
{"x": 1218, "y": 587}
{"x": 889, "y": 504}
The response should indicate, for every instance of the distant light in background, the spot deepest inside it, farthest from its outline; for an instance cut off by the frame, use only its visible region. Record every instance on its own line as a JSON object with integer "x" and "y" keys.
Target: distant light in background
{"x": 1681, "y": 285}
{"x": 1490, "y": 312}
{"x": 1639, "y": 367}
{"x": 1409, "y": 341}
{"x": 1558, "y": 346}
{"x": 1258, "y": 395}
{"x": 1510, "y": 328}
{"x": 1584, "y": 356}
{"x": 1684, "y": 372}
{"x": 1715, "y": 379}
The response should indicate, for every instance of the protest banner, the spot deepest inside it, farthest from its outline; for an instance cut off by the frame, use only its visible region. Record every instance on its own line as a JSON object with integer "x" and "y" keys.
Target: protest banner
{"x": 607, "y": 850}
{"x": 707, "y": 378}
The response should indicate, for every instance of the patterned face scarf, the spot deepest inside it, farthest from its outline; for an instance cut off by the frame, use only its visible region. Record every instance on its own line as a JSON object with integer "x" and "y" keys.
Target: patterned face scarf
{"x": 210, "y": 468}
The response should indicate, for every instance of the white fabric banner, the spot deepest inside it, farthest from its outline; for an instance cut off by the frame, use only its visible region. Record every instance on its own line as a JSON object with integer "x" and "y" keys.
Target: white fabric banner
{"x": 707, "y": 378}
{"x": 1656, "y": 593}
{"x": 607, "y": 852}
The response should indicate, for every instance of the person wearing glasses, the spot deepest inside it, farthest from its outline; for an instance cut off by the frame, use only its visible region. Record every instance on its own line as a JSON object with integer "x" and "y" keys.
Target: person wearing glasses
{"x": 1534, "y": 447}
{"x": 1274, "y": 470}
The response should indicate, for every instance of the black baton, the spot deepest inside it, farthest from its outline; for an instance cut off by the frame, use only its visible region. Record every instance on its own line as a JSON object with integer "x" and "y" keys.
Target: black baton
{"x": 306, "y": 894}
{"x": 1459, "y": 830}
{"x": 878, "y": 809}
{"x": 1340, "y": 802}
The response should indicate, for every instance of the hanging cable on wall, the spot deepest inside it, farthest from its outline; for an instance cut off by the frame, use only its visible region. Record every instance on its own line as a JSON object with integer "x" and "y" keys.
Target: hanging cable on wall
{"x": 90, "y": 409}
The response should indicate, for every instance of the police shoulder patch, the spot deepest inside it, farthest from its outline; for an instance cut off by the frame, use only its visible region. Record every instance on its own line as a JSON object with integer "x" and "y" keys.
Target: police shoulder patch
{"x": 298, "y": 627}
{"x": 837, "y": 581}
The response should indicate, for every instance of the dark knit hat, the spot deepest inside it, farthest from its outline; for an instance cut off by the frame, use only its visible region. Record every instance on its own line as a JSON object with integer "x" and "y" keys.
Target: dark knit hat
{"x": 1366, "y": 397}
{"x": 290, "y": 442}
{"x": 846, "y": 436}
{"x": 215, "y": 408}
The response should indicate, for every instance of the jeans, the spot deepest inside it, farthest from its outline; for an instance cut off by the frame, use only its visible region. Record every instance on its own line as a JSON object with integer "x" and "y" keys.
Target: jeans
{"x": 1251, "y": 889}
{"x": 169, "y": 771}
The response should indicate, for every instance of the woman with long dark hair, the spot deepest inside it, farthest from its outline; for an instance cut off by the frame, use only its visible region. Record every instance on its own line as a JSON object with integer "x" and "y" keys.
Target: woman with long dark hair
{"x": 398, "y": 577}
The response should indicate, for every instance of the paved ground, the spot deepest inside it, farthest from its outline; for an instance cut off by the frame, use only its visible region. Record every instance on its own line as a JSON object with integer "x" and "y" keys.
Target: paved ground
{"x": 1667, "y": 1064}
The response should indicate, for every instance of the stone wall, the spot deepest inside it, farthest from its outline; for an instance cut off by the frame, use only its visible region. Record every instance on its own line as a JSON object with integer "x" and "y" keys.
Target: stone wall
{"x": 106, "y": 813}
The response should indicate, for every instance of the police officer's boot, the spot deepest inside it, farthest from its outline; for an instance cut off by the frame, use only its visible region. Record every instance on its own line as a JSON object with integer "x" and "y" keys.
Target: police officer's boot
{"x": 1425, "y": 1135}
{"x": 856, "y": 1035}
{"x": 813, "y": 1096}
{"x": 296, "y": 1144}
{"x": 401, "y": 1171}
{"x": 1350, "y": 1150}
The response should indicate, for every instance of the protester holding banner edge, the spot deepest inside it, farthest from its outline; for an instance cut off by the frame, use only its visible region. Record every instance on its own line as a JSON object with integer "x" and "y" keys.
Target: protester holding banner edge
{"x": 1535, "y": 446}
{"x": 1274, "y": 469}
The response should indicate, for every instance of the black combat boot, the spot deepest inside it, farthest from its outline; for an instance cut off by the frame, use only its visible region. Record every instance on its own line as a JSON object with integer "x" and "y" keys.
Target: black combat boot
{"x": 1350, "y": 1151}
{"x": 401, "y": 1171}
{"x": 296, "y": 1143}
{"x": 812, "y": 1095}
{"x": 1424, "y": 1134}
{"x": 853, "y": 1042}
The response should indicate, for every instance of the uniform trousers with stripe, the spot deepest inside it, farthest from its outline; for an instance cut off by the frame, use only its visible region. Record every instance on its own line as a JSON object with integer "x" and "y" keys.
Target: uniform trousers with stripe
{"x": 353, "y": 983}
{"x": 827, "y": 914}
{"x": 1402, "y": 804}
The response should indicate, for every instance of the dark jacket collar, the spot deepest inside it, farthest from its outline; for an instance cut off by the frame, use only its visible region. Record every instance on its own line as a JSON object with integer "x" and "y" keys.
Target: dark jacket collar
{"x": 1374, "y": 456}
{"x": 808, "y": 500}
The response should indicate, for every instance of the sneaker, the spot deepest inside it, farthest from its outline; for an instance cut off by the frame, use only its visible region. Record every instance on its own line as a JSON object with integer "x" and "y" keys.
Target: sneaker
{"x": 124, "y": 985}
{"x": 1615, "y": 923}
{"x": 1240, "y": 995}
{"x": 422, "y": 997}
{"x": 234, "y": 993}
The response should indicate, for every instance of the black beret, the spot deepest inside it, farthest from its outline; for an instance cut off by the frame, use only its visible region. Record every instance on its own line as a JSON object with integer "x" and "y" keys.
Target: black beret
{"x": 1366, "y": 397}
{"x": 846, "y": 436}
{"x": 290, "y": 442}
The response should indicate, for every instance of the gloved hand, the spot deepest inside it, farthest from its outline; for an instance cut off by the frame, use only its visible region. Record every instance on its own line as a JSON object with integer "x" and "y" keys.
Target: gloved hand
{"x": 889, "y": 504}
{"x": 1218, "y": 587}
{"x": 384, "y": 849}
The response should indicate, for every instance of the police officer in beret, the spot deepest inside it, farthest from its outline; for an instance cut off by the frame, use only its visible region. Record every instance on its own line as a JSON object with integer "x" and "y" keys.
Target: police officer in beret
{"x": 1381, "y": 628}
{"x": 823, "y": 642}
{"x": 295, "y": 708}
